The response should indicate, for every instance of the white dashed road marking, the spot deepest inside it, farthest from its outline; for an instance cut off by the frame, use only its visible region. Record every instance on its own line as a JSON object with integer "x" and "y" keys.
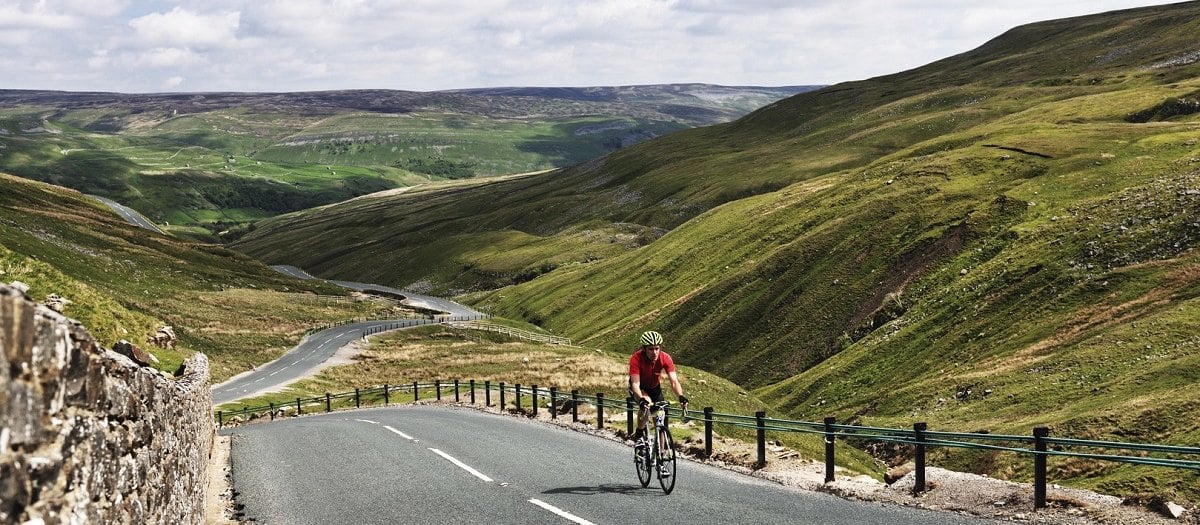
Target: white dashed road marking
{"x": 399, "y": 433}
{"x": 560, "y": 512}
{"x": 460, "y": 464}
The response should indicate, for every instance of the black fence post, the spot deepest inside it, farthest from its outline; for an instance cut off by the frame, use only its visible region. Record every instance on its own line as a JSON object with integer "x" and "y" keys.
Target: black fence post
{"x": 272, "y": 410}
{"x": 1040, "y": 433}
{"x": 298, "y": 411}
{"x": 437, "y": 386}
{"x": 385, "y": 395}
{"x": 829, "y": 442}
{"x": 472, "y": 386}
{"x": 762, "y": 438}
{"x": 919, "y": 471}
{"x": 455, "y": 390}
{"x": 220, "y": 418}
{"x": 629, "y": 415}
{"x": 245, "y": 416}
{"x": 487, "y": 393}
{"x": 574, "y": 406}
{"x": 708, "y": 411}
{"x": 553, "y": 402}
{"x": 517, "y": 388}
{"x": 600, "y": 410}
{"x": 357, "y": 399}
{"x": 328, "y": 406}
{"x": 533, "y": 400}
{"x": 502, "y": 396}
{"x": 415, "y": 396}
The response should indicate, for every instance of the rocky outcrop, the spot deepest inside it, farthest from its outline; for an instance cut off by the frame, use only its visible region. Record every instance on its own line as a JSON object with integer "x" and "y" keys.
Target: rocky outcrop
{"x": 87, "y": 435}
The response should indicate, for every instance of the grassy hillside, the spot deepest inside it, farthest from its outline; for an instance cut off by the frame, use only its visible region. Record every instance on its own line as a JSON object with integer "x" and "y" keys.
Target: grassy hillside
{"x": 1018, "y": 221}
{"x": 203, "y": 163}
{"x": 124, "y": 282}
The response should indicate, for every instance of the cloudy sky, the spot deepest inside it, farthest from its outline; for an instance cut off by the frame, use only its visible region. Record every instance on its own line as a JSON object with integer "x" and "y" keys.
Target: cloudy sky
{"x": 424, "y": 45}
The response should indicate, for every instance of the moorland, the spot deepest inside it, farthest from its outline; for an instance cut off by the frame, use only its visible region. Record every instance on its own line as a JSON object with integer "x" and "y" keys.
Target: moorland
{"x": 1000, "y": 239}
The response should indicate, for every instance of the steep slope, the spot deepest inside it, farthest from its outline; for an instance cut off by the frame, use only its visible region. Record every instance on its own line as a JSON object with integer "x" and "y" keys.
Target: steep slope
{"x": 123, "y": 282}
{"x": 999, "y": 239}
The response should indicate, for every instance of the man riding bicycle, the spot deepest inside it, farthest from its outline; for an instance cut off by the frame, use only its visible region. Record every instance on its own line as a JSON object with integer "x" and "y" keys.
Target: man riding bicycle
{"x": 645, "y": 374}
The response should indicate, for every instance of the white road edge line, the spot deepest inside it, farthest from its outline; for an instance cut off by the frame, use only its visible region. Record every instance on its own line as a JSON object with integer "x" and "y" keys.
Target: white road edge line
{"x": 560, "y": 512}
{"x": 369, "y": 421}
{"x": 462, "y": 465}
{"x": 399, "y": 433}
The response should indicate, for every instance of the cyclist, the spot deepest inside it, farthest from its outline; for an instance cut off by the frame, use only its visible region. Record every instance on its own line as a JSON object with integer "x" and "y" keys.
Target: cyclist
{"x": 645, "y": 375}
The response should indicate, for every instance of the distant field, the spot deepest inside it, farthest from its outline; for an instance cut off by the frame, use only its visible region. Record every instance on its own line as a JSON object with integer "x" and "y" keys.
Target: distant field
{"x": 213, "y": 163}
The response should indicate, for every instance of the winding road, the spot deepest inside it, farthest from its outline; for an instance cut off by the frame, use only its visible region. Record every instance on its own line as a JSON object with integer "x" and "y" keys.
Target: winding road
{"x": 129, "y": 214}
{"x": 305, "y": 358}
{"x": 299, "y": 362}
{"x": 433, "y": 464}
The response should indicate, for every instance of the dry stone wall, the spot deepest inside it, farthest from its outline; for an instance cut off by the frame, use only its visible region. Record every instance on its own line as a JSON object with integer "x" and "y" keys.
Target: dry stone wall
{"x": 87, "y": 435}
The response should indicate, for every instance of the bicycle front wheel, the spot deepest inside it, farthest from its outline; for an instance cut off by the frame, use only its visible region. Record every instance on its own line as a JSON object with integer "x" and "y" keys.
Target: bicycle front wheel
{"x": 666, "y": 461}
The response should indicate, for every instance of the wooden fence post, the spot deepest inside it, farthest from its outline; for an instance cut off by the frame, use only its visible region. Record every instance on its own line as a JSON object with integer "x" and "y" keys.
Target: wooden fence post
{"x": 919, "y": 471}
{"x": 830, "y": 440}
{"x": 600, "y": 410}
{"x": 708, "y": 411}
{"x": 1040, "y": 433}
{"x": 762, "y": 438}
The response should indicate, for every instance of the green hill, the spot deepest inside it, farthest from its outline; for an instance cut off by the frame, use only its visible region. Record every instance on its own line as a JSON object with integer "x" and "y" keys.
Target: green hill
{"x": 204, "y": 163}
{"x": 999, "y": 239}
{"x": 123, "y": 282}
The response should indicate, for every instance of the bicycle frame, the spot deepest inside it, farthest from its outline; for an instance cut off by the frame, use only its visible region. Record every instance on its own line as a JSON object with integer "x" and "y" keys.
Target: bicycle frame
{"x": 659, "y": 451}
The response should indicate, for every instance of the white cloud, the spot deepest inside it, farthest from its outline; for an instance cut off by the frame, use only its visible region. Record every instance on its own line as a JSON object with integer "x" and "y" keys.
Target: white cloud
{"x": 294, "y": 45}
{"x": 181, "y": 27}
{"x": 38, "y": 16}
{"x": 167, "y": 57}
{"x": 96, "y": 8}
{"x": 172, "y": 83}
{"x": 99, "y": 59}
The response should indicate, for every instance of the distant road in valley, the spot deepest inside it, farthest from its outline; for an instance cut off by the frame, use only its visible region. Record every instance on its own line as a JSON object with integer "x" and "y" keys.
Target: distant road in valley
{"x": 427, "y": 302}
{"x": 299, "y": 362}
{"x": 434, "y": 464}
{"x": 303, "y": 360}
{"x": 129, "y": 214}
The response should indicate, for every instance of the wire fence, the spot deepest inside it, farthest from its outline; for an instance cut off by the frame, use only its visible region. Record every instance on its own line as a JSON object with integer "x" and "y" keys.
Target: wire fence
{"x": 529, "y": 400}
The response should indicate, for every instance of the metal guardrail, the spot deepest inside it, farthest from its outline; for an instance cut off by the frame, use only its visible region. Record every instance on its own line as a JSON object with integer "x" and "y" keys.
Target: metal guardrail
{"x": 919, "y": 437}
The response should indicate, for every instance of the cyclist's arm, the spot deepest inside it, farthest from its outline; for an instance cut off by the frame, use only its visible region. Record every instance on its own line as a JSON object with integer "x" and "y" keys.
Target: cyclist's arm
{"x": 635, "y": 381}
{"x": 675, "y": 386}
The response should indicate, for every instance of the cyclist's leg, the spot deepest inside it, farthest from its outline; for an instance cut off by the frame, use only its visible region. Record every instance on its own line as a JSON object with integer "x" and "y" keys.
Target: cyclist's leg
{"x": 639, "y": 431}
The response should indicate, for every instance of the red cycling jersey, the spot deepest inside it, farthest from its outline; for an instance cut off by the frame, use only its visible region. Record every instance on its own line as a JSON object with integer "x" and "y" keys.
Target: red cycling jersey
{"x": 650, "y": 372}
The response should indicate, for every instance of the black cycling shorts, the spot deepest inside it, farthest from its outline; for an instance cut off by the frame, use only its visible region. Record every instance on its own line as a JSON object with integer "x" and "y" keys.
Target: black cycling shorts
{"x": 654, "y": 393}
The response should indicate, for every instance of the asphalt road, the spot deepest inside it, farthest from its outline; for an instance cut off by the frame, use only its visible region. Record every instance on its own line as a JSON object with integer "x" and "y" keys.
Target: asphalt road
{"x": 428, "y": 302}
{"x": 431, "y": 464}
{"x": 129, "y": 214}
{"x": 297, "y": 362}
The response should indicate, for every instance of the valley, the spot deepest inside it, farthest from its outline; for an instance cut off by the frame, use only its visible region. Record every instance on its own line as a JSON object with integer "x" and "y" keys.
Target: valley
{"x": 998, "y": 240}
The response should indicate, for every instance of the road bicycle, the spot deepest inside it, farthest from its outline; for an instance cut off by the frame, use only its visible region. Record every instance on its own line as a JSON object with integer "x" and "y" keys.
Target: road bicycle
{"x": 657, "y": 456}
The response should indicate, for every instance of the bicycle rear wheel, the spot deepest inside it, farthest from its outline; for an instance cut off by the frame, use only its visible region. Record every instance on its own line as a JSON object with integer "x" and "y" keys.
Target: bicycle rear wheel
{"x": 643, "y": 463}
{"x": 666, "y": 461}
